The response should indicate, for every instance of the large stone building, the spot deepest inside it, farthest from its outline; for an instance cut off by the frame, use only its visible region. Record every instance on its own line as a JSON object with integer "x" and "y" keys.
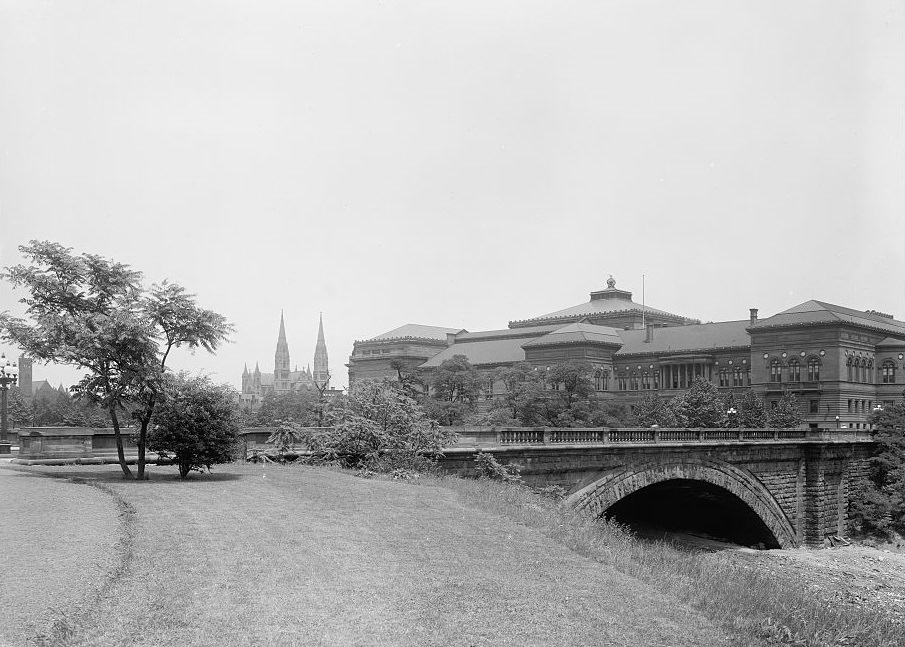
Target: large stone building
{"x": 839, "y": 362}
{"x": 255, "y": 384}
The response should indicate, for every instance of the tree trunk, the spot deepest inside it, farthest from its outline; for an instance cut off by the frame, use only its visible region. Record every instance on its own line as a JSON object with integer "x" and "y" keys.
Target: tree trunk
{"x": 142, "y": 435}
{"x": 127, "y": 473}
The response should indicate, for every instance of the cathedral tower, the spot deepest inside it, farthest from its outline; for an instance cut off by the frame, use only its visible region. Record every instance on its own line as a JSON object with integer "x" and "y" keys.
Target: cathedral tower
{"x": 321, "y": 370}
{"x": 281, "y": 361}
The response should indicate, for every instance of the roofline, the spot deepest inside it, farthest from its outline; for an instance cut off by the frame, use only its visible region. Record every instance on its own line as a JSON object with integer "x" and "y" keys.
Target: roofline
{"x": 403, "y": 338}
{"x": 812, "y": 324}
{"x": 568, "y": 318}
{"x": 680, "y": 351}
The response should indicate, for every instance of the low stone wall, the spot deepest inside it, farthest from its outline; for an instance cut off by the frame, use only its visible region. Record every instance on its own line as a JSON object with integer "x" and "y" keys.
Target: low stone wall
{"x": 61, "y": 445}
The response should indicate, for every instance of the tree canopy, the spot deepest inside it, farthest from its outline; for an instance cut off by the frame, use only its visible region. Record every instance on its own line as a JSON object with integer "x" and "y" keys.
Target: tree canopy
{"x": 95, "y": 314}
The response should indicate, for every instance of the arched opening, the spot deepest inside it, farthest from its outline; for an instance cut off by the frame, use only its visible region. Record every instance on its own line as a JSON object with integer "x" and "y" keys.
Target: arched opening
{"x": 677, "y": 507}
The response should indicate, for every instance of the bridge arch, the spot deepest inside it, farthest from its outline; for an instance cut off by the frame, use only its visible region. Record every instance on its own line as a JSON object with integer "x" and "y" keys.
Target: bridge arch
{"x": 614, "y": 486}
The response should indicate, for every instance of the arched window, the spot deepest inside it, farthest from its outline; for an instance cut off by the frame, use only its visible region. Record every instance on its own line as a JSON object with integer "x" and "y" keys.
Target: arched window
{"x": 775, "y": 371}
{"x": 724, "y": 377}
{"x": 598, "y": 380}
{"x": 888, "y": 372}
{"x": 634, "y": 381}
{"x": 813, "y": 370}
{"x": 737, "y": 379}
{"x": 623, "y": 381}
{"x": 851, "y": 370}
{"x": 869, "y": 371}
{"x": 794, "y": 371}
{"x": 645, "y": 381}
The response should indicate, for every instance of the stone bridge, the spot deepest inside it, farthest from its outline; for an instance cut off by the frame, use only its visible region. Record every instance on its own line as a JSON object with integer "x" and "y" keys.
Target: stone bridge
{"x": 780, "y": 488}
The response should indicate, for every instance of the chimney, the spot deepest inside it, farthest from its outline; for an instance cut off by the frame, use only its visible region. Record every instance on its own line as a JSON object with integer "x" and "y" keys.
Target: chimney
{"x": 649, "y": 336}
{"x": 753, "y": 316}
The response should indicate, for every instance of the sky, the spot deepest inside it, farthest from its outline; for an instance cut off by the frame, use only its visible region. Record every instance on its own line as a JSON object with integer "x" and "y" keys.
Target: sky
{"x": 458, "y": 164}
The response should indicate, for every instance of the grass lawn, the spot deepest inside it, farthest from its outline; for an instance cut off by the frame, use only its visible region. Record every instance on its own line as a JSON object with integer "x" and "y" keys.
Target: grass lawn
{"x": 271, "y": 555}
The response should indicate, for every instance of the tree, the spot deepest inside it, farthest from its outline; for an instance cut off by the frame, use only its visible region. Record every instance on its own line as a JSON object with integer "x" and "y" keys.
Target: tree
{"x": 380, "y": 424}
{"x": 700, "y": 406}
{"x": 652, "y": 410}
{"x": 196, "y": 422}
{"x": 18, "y": 408}
{"x": 408, "y": 379}
{"x": 751, "y": 412}
{"x": 880, "y": 507}
{"x": 786, "y": 415}
{"x": 94, "y": 313}
{"x": 293, "y": 406}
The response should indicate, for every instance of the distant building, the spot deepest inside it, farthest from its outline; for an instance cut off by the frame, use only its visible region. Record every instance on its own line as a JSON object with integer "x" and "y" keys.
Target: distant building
{"x": 255, "y": 384}
{"x": 839, "y": 362}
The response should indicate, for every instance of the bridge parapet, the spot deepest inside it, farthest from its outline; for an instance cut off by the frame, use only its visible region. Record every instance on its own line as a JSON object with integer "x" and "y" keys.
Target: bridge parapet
{"x": 557, "y": 436}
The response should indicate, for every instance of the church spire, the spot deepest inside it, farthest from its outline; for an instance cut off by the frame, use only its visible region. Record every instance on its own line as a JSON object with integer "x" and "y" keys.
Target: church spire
{"x": 321, "y": 368}
{"x": 281, "y": 360}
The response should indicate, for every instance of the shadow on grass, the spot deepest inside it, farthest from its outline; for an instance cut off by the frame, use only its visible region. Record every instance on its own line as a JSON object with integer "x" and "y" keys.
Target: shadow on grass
{"x": 112, "y": 474}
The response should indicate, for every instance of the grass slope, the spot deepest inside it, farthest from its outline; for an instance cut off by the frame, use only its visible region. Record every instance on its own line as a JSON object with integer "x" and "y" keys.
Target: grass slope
{"x": 269, "y": 555}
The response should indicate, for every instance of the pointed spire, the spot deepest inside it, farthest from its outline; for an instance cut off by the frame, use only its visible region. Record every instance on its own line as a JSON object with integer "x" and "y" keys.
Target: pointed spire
{"x": 282, "y": 336}
{"x": 320, "y": 330}
{"x": 257, "y": 370}
{"x": 245, "y": 370}
{"x": 321, "y": 370}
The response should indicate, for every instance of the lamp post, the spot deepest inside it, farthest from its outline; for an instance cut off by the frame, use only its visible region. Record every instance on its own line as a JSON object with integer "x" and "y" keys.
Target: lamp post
{"x": 730, "y": 414}
{"x": 837, "y": 423}
{"x": 9, "y": 374}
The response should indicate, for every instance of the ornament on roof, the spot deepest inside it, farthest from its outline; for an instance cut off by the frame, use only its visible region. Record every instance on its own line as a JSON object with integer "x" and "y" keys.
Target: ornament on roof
{"x": 611, "y": 282}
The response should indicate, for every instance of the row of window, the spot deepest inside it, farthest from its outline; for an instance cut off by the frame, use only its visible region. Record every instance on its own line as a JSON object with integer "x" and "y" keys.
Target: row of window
{"x": 794, "y": 370}
{"x": 861, "y": 370}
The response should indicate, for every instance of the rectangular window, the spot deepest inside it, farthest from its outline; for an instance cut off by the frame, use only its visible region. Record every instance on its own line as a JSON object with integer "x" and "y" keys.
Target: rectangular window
{"x": 815, "y": 406}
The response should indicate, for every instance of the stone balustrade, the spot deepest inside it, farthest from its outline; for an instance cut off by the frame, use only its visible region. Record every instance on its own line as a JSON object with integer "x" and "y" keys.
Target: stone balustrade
{"x": 509, "y": 436}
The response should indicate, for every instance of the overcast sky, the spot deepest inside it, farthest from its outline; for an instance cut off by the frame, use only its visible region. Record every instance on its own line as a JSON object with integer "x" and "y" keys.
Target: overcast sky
{"x": 461, "y": 163}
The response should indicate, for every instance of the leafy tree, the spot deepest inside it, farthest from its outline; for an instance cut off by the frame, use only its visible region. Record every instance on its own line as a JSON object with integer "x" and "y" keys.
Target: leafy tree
{"x": 380, "y": 424}
{"x": 880, "y": 509}
{"x": 786, "y": 415}
{"x": 613, "y": 414}
{"x": 408, "y": 379}
{"x": 456, "y": 380}
{"x": 18, "y": 408}
{"x": 572, "y": 382}
{"x": 290, "y": 406}
{"x": 653, "y": 410}
{"x": 751, "y": 412}
{"x": 700, "y": 406}
{"x": 196, "y": 422}
{"x": 94, "y": 313}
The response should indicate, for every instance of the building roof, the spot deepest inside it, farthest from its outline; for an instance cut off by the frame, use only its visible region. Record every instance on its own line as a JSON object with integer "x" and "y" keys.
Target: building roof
{"x": 493, "y": 351}
{"x": 578, "y": 333}
{"x": 608, "y": 301}
{"x": 819, "y": 312}
{"x": 891, "y": 342}
{"x": 416, "y": 331}
{"x": 690, "y": 338}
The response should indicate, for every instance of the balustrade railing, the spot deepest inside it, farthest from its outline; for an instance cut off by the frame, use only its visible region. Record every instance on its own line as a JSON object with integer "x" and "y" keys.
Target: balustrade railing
{"x": 559, "y": 436}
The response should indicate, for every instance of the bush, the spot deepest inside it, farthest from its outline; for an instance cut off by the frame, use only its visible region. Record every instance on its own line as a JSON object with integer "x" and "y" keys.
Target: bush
{"x": 488, "y": 467}
{"x": 196, "y": 424}
{"x": 380, "y": 428}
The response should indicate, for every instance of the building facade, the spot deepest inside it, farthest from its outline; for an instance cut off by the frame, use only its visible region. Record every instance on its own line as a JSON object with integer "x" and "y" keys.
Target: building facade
{"x": 255, "y": 384}
{"x": 839, "y": 362}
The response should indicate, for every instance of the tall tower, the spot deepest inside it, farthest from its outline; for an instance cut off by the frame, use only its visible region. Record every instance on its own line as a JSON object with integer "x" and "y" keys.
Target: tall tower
{"x": 321, "y": 370}
{"x": 281, "y": 361}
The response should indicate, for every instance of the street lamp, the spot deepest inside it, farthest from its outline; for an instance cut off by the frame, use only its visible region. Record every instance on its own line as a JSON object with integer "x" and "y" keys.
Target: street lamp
{"x": 730, "y": 414}
{"x": 9, "y": 374}
{"x": 837, "y": 423}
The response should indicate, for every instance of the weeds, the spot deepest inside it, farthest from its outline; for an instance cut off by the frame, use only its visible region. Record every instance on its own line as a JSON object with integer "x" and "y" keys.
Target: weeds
{"x": 756, "y": 607}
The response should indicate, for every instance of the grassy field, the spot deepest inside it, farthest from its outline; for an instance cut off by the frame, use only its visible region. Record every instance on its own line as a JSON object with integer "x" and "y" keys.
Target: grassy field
{"x": 271, "y": 555}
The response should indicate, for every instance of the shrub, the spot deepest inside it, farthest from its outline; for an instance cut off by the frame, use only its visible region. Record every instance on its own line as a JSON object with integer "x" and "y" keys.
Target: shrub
{"x": 488, "y": 467}
{"x": 196, "y": 424}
